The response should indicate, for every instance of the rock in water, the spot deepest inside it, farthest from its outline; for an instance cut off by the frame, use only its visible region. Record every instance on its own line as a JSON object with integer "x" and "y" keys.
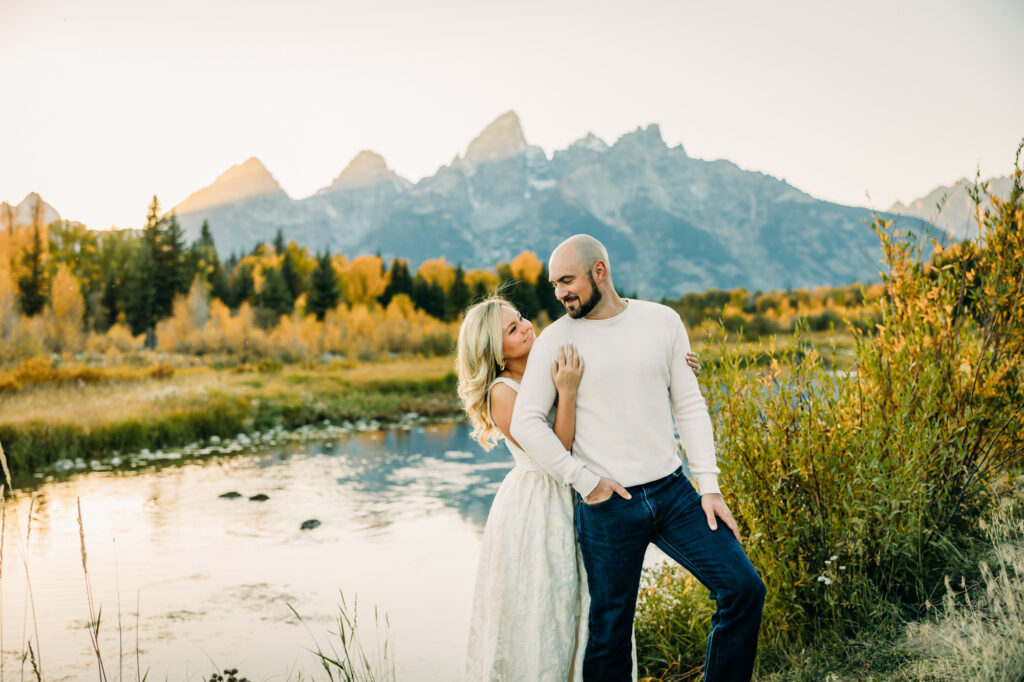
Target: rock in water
{"x": 259, "y": 498}
{"x": 310, "y": 524}
{"x": 230, "y": 495}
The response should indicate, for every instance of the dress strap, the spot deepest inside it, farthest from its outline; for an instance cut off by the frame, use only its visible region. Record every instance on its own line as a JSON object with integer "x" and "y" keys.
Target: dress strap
{"x": 511, "y": 383}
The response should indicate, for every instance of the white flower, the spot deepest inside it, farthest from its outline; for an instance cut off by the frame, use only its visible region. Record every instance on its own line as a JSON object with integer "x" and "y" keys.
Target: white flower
{"x": 824, "y": 579}
{"x": 833, "y": 557}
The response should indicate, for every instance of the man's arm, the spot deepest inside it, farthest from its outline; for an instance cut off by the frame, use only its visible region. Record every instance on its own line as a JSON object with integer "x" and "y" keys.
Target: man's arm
{"x": 694, "y": 425}
{"x": 530, "y": 426}
{"x": 691, "y": 412}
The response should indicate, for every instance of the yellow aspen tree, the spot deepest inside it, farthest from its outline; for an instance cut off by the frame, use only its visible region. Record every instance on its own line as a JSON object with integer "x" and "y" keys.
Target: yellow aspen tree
{"x": 526, "y": 267}
{"x": 363, "y": 280}
{"x": 437, "y": 270}
{"x": 64, "y": 313}
{"x": 486, "y": 280}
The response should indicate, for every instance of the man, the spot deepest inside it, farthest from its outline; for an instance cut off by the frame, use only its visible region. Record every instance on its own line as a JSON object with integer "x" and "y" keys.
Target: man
{"x": 625, "y": 468}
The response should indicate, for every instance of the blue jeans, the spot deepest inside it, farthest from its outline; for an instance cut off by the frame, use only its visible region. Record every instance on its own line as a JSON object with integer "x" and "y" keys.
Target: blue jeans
{"x": 613, "y": 538}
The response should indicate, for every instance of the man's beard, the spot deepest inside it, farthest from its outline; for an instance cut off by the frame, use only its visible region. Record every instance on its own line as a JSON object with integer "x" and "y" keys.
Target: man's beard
{"x": 585, "y": 307}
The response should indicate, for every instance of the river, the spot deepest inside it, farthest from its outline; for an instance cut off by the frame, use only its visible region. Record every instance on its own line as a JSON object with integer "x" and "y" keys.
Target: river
{"x": 401, "y": 517}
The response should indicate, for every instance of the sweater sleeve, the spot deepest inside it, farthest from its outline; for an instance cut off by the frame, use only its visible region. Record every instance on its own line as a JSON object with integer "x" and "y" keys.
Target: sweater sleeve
{"x": 530, "y": 426}
{"x": 691, "y": 413}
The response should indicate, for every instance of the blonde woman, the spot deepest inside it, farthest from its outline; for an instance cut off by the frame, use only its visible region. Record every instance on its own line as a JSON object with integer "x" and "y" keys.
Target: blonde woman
{"x": 531, "y": 585}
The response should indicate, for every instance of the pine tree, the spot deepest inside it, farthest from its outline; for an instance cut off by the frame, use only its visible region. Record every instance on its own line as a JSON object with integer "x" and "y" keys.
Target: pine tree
{"x": 110, "y": 302}
{"x": 459, "y": 294}
{"x": 275, "y": 295}
{"x": 170, "y": 271}
{"x": 399, "y": 283}
{"x": 153, "y": 214}
{"x": 324, "y": 294}
{"x": 291, "y": 276}
{"x": 429, "y": 297}
{"x": 218, "y": 281}
{"x": 140, "y": 291}
{"x": 32, "y": 286}
{"x": 279, "y": 242}
{"x": 205, "y": 236}
{"x": 242, "y": 285}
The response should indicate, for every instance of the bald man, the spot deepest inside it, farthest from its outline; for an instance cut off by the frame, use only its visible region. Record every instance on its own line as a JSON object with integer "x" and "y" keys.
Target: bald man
{"x": 625, "y": 467}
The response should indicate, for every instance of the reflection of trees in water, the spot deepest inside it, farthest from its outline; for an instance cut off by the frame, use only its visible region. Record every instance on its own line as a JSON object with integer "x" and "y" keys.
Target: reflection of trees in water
{"x": 403, "y": 473}
{"x": 394, "y": 475}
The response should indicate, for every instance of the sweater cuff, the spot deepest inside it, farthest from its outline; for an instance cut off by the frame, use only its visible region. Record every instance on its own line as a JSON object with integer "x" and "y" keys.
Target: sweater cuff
{"x": 585, "y": 482}
{"x": 707, "y": 483}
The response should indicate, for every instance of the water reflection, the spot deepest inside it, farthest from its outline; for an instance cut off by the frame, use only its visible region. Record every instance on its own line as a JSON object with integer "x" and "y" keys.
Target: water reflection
{"x": 401, "y": 515}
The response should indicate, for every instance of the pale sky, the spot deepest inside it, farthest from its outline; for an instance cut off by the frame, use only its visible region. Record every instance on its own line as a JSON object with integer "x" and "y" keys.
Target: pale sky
{"x": 108, "y": 102}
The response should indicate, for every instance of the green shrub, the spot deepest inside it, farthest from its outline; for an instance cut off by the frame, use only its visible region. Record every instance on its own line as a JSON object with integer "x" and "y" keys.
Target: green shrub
{"x": 857, "y": 493}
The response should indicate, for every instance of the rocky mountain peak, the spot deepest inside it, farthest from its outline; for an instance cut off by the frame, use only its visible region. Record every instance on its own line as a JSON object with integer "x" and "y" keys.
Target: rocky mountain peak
{"x": 957, "y": 214}
{"x": 242, "y": 181}
{"x": 31, "y": 211}
{"x": 644, "y": 137}
{"x": 592, "y": 142}
{"x": 366, "y": 168}
{"x": 501, "y": 139}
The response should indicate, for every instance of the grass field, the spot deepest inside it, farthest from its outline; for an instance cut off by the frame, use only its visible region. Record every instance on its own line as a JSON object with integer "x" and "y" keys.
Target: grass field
{"x": 46, "y": 422}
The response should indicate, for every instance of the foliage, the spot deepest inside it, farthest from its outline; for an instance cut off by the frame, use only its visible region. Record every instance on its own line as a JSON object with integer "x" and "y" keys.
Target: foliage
{"x": 858, "y": 492}
{"x": 32, "y": 286}
{"x": 346, "y": 659}
{"x": 80, "y": 412}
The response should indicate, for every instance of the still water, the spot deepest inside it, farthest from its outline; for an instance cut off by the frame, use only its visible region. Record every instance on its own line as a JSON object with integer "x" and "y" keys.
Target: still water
{"x": 401, "y": 512}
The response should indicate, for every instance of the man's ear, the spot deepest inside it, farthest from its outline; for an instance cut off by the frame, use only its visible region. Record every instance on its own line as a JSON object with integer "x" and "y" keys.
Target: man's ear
{"x": 599, "y": 271}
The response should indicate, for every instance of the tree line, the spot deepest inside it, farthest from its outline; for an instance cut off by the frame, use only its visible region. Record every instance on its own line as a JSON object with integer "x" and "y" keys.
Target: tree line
{"x": 133, "y": 276}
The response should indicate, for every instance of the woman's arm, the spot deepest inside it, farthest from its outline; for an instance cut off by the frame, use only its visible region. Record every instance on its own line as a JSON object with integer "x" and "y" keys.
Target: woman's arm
{"x": 566, "y": 372}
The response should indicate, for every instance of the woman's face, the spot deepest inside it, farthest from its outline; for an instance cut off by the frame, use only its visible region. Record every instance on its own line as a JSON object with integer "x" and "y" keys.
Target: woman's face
{"x": 516, "y": 334}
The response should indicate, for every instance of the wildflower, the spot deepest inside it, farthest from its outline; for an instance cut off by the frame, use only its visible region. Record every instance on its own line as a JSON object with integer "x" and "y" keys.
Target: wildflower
{"x": 824, "y": 579}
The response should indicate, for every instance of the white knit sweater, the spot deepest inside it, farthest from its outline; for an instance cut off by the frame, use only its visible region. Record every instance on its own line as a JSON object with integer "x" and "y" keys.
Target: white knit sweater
{"x": 635, "y": 379}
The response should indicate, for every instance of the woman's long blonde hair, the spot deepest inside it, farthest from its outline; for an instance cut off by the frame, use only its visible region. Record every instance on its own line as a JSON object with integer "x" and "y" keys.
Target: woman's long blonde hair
{"x": 478, "y": 361}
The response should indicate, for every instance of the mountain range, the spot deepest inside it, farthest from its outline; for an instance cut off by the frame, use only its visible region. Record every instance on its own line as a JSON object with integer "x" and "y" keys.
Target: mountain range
{"x": 672, "y": 223}
{"x": 952, "y": 208}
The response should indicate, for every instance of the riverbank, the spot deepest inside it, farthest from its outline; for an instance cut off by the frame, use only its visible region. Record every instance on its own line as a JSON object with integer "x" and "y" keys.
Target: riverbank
{"x": 80, "y": 413}
{"x": 44, "y": 424}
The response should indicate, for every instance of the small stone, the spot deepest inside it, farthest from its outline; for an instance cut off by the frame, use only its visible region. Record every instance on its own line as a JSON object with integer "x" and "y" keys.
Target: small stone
{"x": 309, "y": 524}
{"x": 259, "y": 498}
{"x": 231, "y": 495}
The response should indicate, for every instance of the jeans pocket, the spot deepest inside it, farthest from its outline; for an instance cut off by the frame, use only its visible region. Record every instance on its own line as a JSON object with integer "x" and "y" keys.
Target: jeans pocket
{"x": 598, "y": 505}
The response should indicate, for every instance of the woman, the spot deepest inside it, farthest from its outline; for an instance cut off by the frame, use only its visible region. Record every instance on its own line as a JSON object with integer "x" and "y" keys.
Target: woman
{"x": 531, "y": 585}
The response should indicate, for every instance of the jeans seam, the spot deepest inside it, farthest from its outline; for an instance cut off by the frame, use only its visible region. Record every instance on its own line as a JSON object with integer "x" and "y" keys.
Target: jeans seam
{"x": 709, "y": 656}
{"x": 647, "y": 501}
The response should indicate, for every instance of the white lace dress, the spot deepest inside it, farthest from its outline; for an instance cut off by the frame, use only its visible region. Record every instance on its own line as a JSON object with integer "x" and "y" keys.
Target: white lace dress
{"x": 531, "y": 588}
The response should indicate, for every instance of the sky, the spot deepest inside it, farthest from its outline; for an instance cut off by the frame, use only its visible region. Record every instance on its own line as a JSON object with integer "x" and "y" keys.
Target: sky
{"x": 108, "y": 102}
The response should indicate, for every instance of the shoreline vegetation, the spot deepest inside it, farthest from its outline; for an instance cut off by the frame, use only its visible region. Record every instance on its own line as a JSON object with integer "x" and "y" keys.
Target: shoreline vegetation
{"x": 56, "y": 414}
{"x": 64, "y": 418}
